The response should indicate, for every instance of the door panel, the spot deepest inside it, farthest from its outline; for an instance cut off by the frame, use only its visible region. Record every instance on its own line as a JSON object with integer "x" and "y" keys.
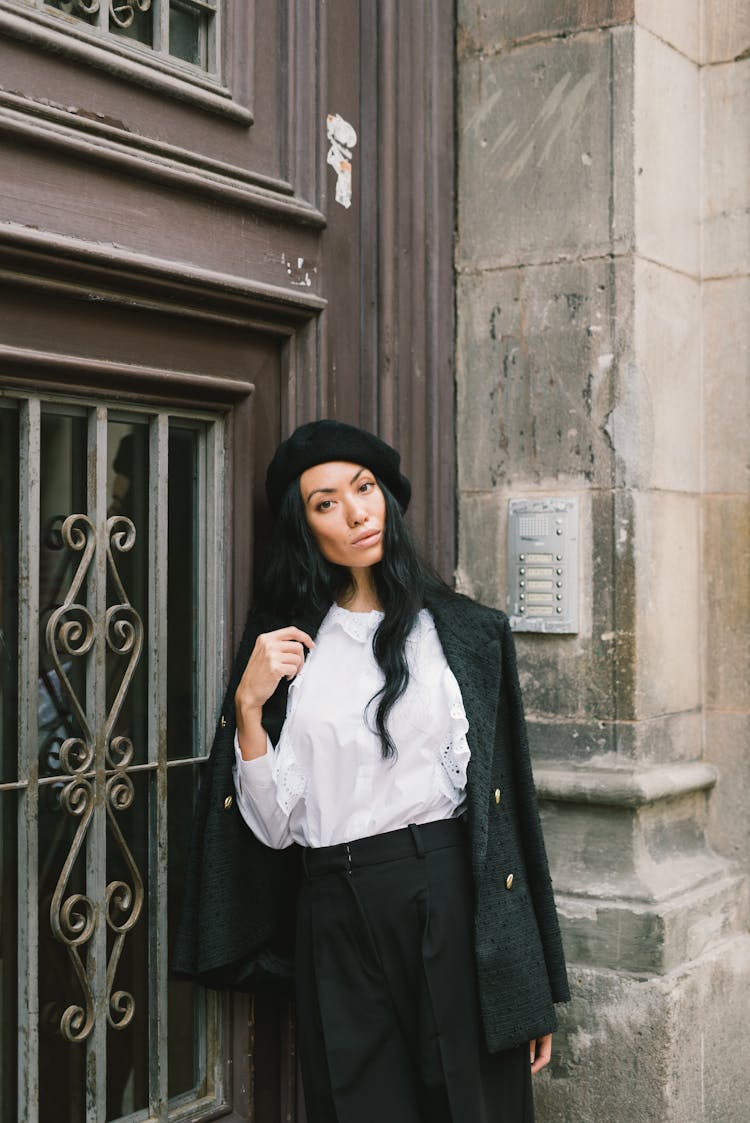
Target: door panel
{"x": 172, "y": 245}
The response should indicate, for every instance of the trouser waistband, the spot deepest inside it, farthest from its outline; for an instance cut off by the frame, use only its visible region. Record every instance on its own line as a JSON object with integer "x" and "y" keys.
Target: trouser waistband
{"x": 415, "y": 840}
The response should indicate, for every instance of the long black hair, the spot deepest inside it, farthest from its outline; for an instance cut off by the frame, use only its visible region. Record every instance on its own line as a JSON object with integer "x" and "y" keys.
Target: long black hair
{"x": 298, "y": 580}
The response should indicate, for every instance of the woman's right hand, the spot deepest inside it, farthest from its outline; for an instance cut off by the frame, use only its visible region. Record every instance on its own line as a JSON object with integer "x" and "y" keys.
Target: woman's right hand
{"x": 276, "y": 655}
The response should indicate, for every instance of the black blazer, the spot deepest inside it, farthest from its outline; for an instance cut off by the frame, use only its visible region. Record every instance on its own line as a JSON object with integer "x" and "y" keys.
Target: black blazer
{"x": 238, "y": 910}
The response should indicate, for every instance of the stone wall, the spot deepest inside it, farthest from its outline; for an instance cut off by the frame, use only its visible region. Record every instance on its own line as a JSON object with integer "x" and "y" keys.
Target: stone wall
{"x": 603, "y": 351}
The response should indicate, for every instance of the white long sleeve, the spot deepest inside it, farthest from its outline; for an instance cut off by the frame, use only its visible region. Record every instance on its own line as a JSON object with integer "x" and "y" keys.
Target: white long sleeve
{"x": 256, "y": 798}
{"x": 326, "y": 781}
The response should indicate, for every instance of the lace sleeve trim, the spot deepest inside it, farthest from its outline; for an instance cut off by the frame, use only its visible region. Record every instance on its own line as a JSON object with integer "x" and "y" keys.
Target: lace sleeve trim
{"x": 289, "y": 779}
{"x": 455, "y": 755}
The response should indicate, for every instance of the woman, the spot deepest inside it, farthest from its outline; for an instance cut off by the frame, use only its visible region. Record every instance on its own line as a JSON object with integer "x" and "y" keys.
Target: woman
{"x": 373, "y": 737}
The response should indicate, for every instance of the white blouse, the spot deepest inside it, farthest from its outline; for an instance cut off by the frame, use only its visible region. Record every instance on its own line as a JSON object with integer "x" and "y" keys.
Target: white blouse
{"x": 327, "y": 781}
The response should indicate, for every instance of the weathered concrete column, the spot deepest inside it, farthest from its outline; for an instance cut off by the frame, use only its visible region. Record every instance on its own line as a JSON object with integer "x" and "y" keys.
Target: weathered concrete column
{"x": 602, "y": 260}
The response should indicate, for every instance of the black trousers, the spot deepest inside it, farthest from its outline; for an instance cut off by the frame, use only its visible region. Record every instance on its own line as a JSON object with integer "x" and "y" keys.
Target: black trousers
{"x": 388, "y": 1022}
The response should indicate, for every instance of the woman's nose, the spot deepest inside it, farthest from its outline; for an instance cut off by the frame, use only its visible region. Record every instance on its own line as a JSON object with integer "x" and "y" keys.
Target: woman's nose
{"x": 356, "y": 512}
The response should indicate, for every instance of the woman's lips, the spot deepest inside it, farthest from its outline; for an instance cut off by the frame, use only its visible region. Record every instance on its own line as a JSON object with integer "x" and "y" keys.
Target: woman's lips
{"x": 367, "y": 540}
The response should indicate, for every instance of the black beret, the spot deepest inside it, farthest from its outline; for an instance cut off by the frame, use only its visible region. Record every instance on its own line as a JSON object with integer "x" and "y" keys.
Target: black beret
{"x": 317, "y": 442}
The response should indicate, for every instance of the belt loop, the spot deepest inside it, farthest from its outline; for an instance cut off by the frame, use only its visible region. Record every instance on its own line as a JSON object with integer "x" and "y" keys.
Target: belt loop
{"x": 414, "y": 829}
{"x": 304, "y": 863}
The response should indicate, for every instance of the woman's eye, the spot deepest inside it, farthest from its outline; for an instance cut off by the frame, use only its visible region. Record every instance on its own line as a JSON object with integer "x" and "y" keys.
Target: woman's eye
{"x": 324, "y": 505}
{"x": 366, "y": 485}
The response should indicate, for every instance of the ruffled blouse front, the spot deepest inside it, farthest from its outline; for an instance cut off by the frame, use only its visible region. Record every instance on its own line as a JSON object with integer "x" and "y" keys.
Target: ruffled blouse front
{"x": 327, "y": 782}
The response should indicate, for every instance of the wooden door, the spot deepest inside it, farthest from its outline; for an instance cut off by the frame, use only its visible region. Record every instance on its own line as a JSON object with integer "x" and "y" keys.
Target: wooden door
{"x": 234, "y": 217}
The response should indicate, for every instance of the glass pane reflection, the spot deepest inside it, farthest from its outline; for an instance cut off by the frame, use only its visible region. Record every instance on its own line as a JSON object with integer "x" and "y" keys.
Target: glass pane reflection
{"x": 127, "y": 498}
{"x": 63, "y": 492}
{"x": 8, "y": 756}
{"x": 182, "y": 592}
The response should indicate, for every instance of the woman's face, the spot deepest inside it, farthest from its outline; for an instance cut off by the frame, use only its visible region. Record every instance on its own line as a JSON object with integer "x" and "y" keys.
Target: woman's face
{"x": 345, "y": 510}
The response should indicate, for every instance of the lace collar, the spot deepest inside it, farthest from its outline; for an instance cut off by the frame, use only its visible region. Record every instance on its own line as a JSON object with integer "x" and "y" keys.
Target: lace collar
{"x": 359, "y": 625}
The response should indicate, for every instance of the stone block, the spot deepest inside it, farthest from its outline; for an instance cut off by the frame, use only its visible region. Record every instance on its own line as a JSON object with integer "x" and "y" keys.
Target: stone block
{"x": 566, "y": 679}
{"x": 488, "y": 25}
{"x": 667, "y": 154}
{"x": 535, "y": 150}
{"x": 654, "y": 423}
{"x": 667, "y": 738}
{"x": 654, "y": 1050}
{"x": 667, "y": 618}
{"x": 728, "y": 748}
{"x": 535, "y": 362}
{"x": 667, "y": 346}
{"x": 481, "y": 548}
{"x": 710, "y": 1056}
{"x": 677, "y": 22}
{"x": 624, "y": 935}
{"x": 725, "y": 30}
{"x": 565, "y": 738}
{"x": 726, "y": 169}
{"x": 726, "y": 560}
{"x": 609, "y": 1053}
{"x": 726, "y": 384}
{"x": 661, "y": 739}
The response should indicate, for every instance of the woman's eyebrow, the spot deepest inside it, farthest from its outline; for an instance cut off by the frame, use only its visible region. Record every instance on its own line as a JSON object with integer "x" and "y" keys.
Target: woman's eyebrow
{"x": 332, "y": 490}
{"x": 321, "y": 491}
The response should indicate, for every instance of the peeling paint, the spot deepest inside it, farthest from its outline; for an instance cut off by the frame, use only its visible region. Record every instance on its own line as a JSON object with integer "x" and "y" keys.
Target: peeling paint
{"x": 299, "y": 270}
{"x": 342, "y": 139}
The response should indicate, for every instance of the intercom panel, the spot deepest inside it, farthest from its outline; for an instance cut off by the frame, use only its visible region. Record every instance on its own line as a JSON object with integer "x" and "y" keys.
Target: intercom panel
{"x": 543, "y": 565}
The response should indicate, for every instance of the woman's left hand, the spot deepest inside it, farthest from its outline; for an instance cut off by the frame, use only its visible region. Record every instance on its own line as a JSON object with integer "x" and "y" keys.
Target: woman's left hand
{"x": 541, "y": 1051}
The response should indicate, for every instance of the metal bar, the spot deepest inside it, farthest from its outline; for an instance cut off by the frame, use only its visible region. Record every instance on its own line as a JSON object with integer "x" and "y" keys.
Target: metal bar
{"x": 96, "y": 709}
{"x": 209, "y": 676}
{"x": 161, "y": 27}
{"x": 214, "y": 30}
{"x": 157, "y": 750}
{"x": 202, "y": 688}
{"x": 45, "y": 781}
{"x": 28, "y": 767}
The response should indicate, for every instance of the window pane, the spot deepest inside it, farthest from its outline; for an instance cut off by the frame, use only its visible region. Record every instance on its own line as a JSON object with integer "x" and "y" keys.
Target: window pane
{"x": 189, "y": 25}
{"x": 128, "y": 1046}
{"x": 127, "y": 499}
{"x": 187, "y": 1003}
{"x": 127, "y": 851}
{"x": 8, "y": 954}
{"x": 63, "y": 492}
{"x": 111, "y": 848}
{"x": 8, "y": 592}
{"x": 8, "y": 757}
{"x": 86, "y": 10}
{"x": 132, "y": 20}
{"x": 182, "y": 593}
{"x": 187, "y": 32}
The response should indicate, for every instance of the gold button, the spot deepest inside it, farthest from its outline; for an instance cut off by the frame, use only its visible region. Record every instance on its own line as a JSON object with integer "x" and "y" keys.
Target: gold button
{"x": 509, "y": 881}
{"x": 497, "y": 795}
{"x": 229, "y": 801}
{"x": 223, "y": 722}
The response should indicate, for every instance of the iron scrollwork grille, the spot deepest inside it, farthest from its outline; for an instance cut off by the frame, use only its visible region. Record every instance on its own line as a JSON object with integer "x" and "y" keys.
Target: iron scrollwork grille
{"x": 70, "y": 632}
{"x": 102, "y": 781}
{"x": 185, "y": 31}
